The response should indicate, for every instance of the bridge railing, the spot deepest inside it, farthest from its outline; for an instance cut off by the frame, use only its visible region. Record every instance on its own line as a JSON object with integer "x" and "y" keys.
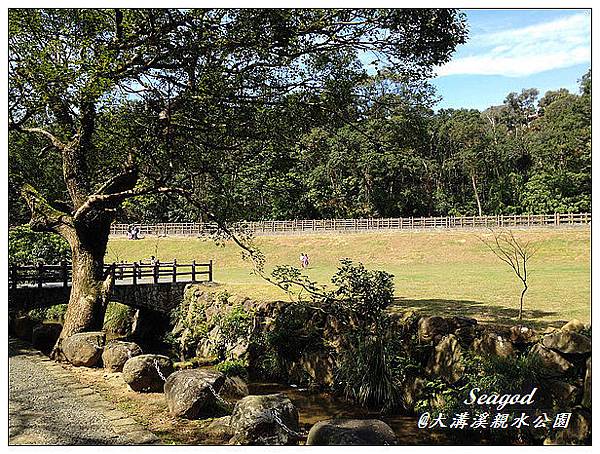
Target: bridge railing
{"x": 128, "y": 273}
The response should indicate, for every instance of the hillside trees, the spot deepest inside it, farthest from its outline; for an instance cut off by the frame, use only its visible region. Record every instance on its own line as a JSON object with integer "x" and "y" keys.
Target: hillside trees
{"x": 133, "y": 103}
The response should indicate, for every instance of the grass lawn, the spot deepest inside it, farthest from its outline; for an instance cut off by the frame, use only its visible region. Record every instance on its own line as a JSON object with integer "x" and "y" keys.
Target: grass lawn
{"x": 441, "y": 272}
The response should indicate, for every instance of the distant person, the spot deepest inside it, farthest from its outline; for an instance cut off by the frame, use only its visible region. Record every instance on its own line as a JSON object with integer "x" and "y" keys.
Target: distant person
{"x": 135, "y": 233}
{"x": 130, "y": 232}
{"x": 304, "y": 260}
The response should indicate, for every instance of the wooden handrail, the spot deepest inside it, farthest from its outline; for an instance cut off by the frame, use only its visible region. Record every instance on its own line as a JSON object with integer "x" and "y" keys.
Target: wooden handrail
{"x": 41, "y": 274}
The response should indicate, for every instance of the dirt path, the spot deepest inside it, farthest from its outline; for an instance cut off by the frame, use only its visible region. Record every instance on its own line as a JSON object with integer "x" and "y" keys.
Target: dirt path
{"x": 48, "y": 406}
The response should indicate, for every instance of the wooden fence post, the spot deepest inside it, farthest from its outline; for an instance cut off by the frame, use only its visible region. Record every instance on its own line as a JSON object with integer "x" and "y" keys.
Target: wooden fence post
{"x": 210, "y": 271}
{"x": 193, "y": 271}
{"x": 155, "y": 271}
{"x": 174, "y": 270}
{"x": 135, "y": 273}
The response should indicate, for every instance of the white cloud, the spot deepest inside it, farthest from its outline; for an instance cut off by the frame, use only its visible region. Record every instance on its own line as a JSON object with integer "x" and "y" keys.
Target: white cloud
{"x": 524, "y": 51}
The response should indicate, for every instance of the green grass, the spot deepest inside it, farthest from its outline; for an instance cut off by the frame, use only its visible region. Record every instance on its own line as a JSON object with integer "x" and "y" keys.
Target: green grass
{"x": 444, "y": 272}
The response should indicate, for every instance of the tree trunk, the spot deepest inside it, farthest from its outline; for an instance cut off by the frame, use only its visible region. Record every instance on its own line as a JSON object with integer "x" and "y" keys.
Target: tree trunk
{"x": 90, "y": 288}
{"x": 474, "y": 182}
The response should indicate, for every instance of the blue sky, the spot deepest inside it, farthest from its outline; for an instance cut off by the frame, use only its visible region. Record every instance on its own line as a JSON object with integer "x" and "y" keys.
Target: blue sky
{"x": 509, "y": 50}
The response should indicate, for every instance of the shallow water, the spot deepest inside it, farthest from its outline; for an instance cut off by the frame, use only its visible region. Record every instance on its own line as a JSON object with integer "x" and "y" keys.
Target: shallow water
{"x": 319, "y": 406}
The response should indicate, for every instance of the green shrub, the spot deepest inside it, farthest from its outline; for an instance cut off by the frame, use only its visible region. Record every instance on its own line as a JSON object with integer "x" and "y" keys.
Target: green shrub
{"x": 232, "y": 368}
{"x": 235, "y": 325}
{"x": 492, "y": 373}
{"x": 26, "y": 246}
{"x": 38, "y": 314}
{"x": 57, "y": 313}
{"x": 118, "y": 318}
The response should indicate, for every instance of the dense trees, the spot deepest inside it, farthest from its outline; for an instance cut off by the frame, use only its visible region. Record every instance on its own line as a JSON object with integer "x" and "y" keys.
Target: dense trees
{"x": 200, "y": 113}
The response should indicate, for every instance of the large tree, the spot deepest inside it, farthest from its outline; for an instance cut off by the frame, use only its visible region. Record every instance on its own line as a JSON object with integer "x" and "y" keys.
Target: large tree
{"x": 138, "y": 102}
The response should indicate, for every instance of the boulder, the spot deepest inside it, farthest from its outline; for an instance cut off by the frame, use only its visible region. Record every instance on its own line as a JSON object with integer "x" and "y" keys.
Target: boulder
{"x": 44, "y": 336}
{"x": 562, "y": 393}
{"x": 84, "y": 349}
{"x": 446, "y": 360}
{"x": 493, "y": 344}
{"x": 458, "y": 322}
{"x": 193, "y": 393}
{"x": 574, "y": 325}
{"x": 147, "y": 373}
{"x": 204, "y": 351}
{"x": 586, "y": 400}
{"x": 116, "y": 353}
{"x": 411, "y": 392}
{"x": 336, "y": 432}
{"x": 218, "y": 431}
{"x": 523, "y": 335}
{"x": 466, "y": 335}
{"x": 567, "y": 342}
{"x": 431, "y": 329}
{"x": 578, "y": 432}
{"x": 551, "y": 360}
{"x": 265, "y": 420}
{"x": 23, "y": 327}
{"x": 234, "y": 387}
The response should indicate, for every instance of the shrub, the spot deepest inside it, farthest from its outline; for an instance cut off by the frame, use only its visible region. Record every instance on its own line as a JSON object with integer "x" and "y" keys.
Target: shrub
{"x": 231, "y": 368}
{"x": 235, "y": 325}
{"x": 56, "y": 313}
{"x": 492, "y": 373}
{"x": 118, "y": 318}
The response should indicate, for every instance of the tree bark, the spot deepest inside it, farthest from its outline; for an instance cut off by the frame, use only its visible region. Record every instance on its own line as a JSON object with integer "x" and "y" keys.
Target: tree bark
{"x": 90, "y": 288}
{"x": 88, "y": 238}
{"x": 474, "y": 183}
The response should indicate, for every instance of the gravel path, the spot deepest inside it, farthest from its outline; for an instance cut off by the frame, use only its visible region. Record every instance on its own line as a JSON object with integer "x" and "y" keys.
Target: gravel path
{"x": 47, "y": 406}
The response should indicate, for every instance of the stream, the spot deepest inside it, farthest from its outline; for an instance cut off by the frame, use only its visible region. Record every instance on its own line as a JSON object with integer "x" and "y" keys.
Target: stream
{"x": 319, "y": 406}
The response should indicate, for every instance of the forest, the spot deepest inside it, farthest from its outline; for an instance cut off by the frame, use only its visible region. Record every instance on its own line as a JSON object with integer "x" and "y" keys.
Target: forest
{"x": 343, "y": 140}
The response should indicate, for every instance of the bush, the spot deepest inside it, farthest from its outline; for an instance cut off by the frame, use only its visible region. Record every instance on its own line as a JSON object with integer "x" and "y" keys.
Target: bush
{"x": 56, "y": 313}
{"x": 235, "y": 325}
{"x": 118, "y": 318}
{"x": 26, "y": 246}
{"x": 232, "y": 368}
{"x": 492, "y": 373}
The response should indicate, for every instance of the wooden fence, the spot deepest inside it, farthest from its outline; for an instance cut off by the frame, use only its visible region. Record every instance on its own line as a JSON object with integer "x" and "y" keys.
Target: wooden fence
{"x": 354, "y": 225}
{"x": 125, "y": 273}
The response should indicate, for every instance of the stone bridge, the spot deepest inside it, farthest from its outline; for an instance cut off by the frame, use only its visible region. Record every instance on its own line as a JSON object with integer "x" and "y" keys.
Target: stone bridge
{"x": 160, "y": 297}
{"x": 158, "y": 286}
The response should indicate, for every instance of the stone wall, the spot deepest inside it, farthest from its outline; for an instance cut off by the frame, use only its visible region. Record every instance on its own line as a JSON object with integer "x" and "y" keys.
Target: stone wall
{"x": 439, "y": 347}
{"x": 161, "y": 297}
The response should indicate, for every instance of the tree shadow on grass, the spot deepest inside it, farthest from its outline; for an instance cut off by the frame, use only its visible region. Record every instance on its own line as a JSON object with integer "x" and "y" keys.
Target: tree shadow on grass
{"x": 484, "y": 313}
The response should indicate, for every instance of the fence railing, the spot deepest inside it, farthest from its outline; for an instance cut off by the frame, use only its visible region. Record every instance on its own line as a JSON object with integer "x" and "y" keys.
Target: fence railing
{"x": 352, "y": 225}
{"x": 126, "y": 273}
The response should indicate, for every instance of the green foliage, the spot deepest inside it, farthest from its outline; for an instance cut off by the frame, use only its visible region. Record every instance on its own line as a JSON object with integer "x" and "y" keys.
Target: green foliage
{"x": 38, "y": 314}
{"x": 232, "y": 368}
{"x": 365, "y": 374}
{"x": 189, "y": 319}
{"x": 492, "y": 373}
{"x": 27, "y": 247}
{"x": 235, "y": 324}
{"x": 362, "y": 294}
{"x": 118, "y": 318}
{"x": 56, "y": 313}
